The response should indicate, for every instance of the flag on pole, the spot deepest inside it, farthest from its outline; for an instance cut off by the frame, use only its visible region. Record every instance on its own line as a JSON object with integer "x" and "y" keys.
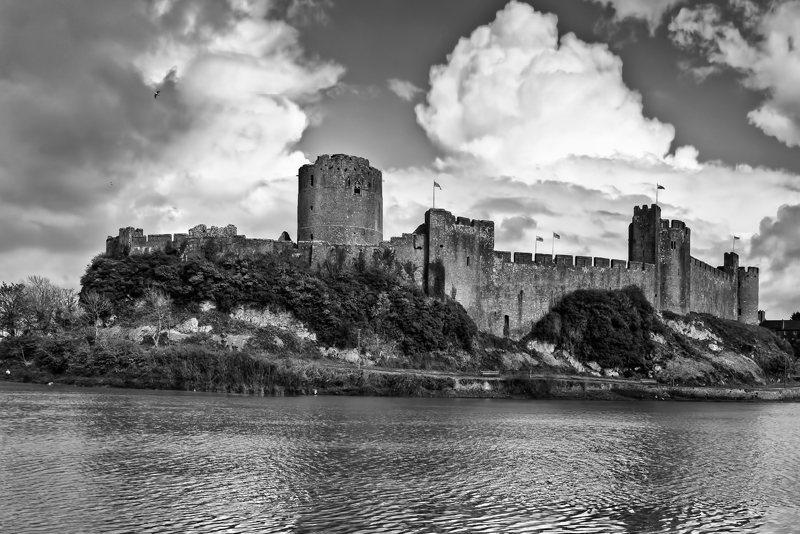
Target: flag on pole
{"x": 556, "y": 236}
{"x": 539, "y": 238}
{"x": 435, "y": 184}
{"x": 659, "y": 186}
{"x": 736, "y": 237}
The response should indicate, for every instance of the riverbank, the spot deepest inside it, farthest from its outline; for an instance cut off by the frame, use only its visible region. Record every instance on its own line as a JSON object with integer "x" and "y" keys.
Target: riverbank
{"x": 297, "y": 377}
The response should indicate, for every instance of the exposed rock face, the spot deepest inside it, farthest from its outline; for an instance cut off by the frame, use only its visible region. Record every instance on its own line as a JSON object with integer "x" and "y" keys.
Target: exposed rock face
{"x": 282, "y": 320}
{"x": 189, "y": 326}
{"x": 692, "y": 331}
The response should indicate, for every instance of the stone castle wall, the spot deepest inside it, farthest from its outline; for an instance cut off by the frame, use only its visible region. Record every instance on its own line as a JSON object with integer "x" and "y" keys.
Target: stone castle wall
{"x": 520, "y": 292}
{"x": 713, "y": 291}
{"x": 340, "y": 225}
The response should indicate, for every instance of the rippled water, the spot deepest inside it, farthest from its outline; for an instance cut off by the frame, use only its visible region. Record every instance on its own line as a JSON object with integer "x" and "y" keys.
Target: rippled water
{"x": 78, "y": 460}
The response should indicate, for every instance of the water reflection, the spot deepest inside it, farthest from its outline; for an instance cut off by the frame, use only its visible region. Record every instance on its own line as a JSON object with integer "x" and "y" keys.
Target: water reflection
{"x": 113, "y": 460}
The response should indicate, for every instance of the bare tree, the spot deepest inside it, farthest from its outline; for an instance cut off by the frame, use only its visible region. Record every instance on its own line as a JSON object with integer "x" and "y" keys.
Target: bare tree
{"x": 14, "y": 309}
{"x": 96, "y": 305}
{"x": 40, "y": 293}
{"x": 67, "y": 304}
{"x": 158, "y": 308}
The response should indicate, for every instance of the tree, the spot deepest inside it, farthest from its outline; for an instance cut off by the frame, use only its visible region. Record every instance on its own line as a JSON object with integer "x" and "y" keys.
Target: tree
{"x": 796, "y": 316}
{"x": 157, "y": 308}
{"x": 14, "y": 309}
{"x": 50, "y": 307}
{"x": 96, "y": 305}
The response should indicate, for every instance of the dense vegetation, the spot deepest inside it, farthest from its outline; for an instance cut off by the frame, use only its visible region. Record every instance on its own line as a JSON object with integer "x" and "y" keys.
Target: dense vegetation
{"x": 116, "y": 332}
{"x": 339, "y": 307}
{"x": 611, "y": 328}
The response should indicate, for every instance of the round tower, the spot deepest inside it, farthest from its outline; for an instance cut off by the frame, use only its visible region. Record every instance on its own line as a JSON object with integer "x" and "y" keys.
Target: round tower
{"x": 340, "y": 200}
{"x": 748, "y": 295}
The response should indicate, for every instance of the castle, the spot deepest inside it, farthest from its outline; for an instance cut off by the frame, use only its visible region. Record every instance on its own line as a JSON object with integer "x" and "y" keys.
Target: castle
{"x": 340, "y": 219}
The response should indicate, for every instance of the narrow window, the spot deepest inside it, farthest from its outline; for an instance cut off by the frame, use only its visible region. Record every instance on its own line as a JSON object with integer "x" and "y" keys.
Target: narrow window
{"x": 348, "y": 182}
{"x": 357, "y": 189}
{"x": 506, "y": 329}
{"x": 312, "y": 180}
{"x": 467, "y": 261}
{"x": 312, "y": 237}
{"x": 740, "y": 311}
{"x": 369, "y": 184}
{"x": 312, "y": 208}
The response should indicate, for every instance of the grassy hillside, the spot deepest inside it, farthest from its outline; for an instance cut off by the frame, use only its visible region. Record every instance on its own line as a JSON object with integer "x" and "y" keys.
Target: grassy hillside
{"x": 266, "y": 324}
{"x": 619, "y": 332}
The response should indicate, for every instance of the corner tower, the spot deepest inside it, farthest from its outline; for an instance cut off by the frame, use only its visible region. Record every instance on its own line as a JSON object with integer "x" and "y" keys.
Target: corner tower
{"x": 644, "y": 243}
{"x": 748, "y": 295}
{"x": 340, "y": 200}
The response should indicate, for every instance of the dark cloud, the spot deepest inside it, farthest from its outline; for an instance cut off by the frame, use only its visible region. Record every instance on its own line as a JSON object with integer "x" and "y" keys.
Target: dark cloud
{"x": 512, "y": 205}
{"x": 514, "y": 228}
{"x": 301, "y": 12}
{"x": 612, "y": 235}
{"x": 75, "y": 113}
{"x": 612, "y": 214}
{"x": 778, "y": 239}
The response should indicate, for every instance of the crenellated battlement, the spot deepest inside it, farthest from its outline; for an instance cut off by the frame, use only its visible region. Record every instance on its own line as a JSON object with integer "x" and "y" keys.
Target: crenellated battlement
{"x": 340, "y": 221}
{"x": 712, "y": 271}
{"x": 502, "y": 258}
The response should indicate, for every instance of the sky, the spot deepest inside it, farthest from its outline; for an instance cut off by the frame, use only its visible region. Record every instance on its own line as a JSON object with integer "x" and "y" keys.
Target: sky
{"x": 543, "y": 116}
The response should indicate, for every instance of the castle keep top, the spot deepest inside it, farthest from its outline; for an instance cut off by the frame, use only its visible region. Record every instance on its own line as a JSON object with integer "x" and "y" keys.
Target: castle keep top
{"x": 340, "y": 200}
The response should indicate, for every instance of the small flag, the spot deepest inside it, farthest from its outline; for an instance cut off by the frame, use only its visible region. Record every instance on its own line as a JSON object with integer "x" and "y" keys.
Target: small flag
{"x": 736, "y": 237}
{"x": 660, "y": 186}
{"x": 437, "y": 185}
{"x": 556, "y": 236}
{"x": 539, "y": 238}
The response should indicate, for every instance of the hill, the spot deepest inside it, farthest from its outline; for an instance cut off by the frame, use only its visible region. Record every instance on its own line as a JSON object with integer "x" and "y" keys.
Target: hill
{"x": 257, "y": 324}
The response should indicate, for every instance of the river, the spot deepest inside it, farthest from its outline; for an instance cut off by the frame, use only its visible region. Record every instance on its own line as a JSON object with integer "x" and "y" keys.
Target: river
{"x": 105, "y": 460}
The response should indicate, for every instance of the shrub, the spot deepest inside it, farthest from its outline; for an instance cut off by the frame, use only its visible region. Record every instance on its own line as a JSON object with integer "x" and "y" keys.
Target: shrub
{"x": 610, "y": 327}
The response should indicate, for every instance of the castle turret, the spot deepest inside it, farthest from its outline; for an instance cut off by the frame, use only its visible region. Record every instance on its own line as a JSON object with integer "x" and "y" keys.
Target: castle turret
{"x": 643, "y": 234}
{"x": 340, "y": 200}
{"x": 675, "y": 263}
{"x": 748, "y": 295}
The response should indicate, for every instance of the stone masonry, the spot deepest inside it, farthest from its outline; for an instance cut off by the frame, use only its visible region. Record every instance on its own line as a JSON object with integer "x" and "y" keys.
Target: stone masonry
{"x": 340, "y": 221}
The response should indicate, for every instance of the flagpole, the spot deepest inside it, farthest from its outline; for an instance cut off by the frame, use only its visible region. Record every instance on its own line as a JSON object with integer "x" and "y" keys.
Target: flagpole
{"x": 656, "y": 194}
{"x": 734, "y": 244}
{"x": 553, "y": 252}
{"x": 434, "y": 194}
{"x": 535, "y": 244}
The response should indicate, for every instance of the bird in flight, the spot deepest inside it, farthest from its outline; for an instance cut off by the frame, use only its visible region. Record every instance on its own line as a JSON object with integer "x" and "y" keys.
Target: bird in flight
{"x": 156, "y": 95}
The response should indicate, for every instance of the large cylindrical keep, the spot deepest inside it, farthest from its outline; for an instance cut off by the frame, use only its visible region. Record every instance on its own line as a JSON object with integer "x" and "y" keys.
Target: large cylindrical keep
{"x": 340, "y": 200}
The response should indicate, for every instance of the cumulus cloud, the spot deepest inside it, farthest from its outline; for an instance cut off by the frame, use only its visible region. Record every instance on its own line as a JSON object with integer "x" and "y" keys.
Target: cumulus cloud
{"x": 513, "y": 95}
{"x": 404, "y": 89}
{"x": 527, "y": 122}
{"x": 651, "y": 11}
{"x": 777, "y": 247}
{"x": 760, "y": 44}
{"x": 86, "y": 149}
